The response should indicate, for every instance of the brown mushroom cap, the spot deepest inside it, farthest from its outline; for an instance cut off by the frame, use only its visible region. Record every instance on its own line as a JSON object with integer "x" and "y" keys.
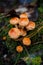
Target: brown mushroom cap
{"x": 19, "y": 49}
{"x": 23, "y": 15}
{"x": 26, "y": 41}
{"x": 30, "y": 26}
{"x": 24, "y": 22}
{"x": 14, "y": 33}
{"x": 14, "y": 20}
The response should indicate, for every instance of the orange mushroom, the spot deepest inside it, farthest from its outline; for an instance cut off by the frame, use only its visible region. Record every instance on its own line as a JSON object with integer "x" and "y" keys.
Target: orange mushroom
{"x": 4, "y": 38}
{"x": 24, "y": 22}
{"x": 14, "y": 20}
{"x": 14, "y": 33}
{"x": 19, "y": 49}
{"x": 23, "y": 15}
{"x": 26, "y": 41}
{"x": 30, "y": 26}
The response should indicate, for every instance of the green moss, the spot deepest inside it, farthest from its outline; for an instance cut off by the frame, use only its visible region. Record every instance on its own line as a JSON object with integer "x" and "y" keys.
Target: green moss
{"x": 36, "y": 61}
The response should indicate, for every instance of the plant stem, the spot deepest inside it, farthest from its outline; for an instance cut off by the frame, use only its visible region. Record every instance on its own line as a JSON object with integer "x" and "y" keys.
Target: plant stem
{"x": 28, "y": 54}
{"x": 17, "y": 59}
{"x": 3, "y": 27}
{"x": 34, "y": 33}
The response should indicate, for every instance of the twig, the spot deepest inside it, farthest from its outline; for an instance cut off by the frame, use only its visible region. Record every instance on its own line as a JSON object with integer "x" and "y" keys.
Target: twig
{"x": 36, "y": 32}
{"x": 38, "y": 42}
{"x": 5, "y": 16}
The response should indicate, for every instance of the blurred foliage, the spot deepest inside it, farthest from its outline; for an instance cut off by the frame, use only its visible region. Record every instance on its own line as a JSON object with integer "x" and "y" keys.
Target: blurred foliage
{"x": 36, "y": 61}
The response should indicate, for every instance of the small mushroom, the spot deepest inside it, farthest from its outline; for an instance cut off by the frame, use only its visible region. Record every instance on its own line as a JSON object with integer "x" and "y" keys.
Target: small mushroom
{"x": 26, "y": 41}
{"x": 4, "y": 38}
{"x": 31, "y": 25}
{"x": 14, "y": 33}
{"x": 23, "y": 15}
{"x": 14, "y": 20}
{"x": 19, "y": 48}
{"x": 23, "y": 22}
{"x": 23, "y": 32}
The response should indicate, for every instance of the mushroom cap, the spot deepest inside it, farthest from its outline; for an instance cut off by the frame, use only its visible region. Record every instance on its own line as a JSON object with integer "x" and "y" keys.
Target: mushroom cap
{"x": 23, "y": 15}
{"x": 23, "y": 32}
{"x": 30, "y": 26}
{"x": 24, "y": 22}
{"x": 14, "y": 33}
{"x": 4, "y": 38}
{"x": 14, "y": 20}
{"x": 26, "y": 41}
{"x": 19, "y": 49}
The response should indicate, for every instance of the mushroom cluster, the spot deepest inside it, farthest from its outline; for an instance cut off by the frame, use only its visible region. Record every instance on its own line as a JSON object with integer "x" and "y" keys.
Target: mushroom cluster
{"x": 21, "y": 26}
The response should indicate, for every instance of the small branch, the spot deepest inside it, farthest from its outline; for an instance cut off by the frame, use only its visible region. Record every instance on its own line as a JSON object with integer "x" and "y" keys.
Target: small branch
{"x": 35, "y": 32}
{"x": 38, "y": 42}
{"x": 16, "y": 26}
{"x": 5, "y": 16}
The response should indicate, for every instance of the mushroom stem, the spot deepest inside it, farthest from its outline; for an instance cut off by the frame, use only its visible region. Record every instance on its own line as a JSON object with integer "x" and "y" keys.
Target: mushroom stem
{"x": 16, "y": 26}
{"x": 32, "y": 34}
{"x": 21, "y": 27}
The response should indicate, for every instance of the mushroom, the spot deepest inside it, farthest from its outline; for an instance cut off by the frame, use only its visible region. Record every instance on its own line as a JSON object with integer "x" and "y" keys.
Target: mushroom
{"x": 23, "y": 15}
{"x": 14, "y": 20}
{"x": 19, "y": 48}
{"x": 23, "y": 32}
{"x": 23, "y": 22}
{"x": 14, "y": 33}
{"x": 4, "y": 38}
{"x": 31, "y": 25}
{"x": 26, "y": 41}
